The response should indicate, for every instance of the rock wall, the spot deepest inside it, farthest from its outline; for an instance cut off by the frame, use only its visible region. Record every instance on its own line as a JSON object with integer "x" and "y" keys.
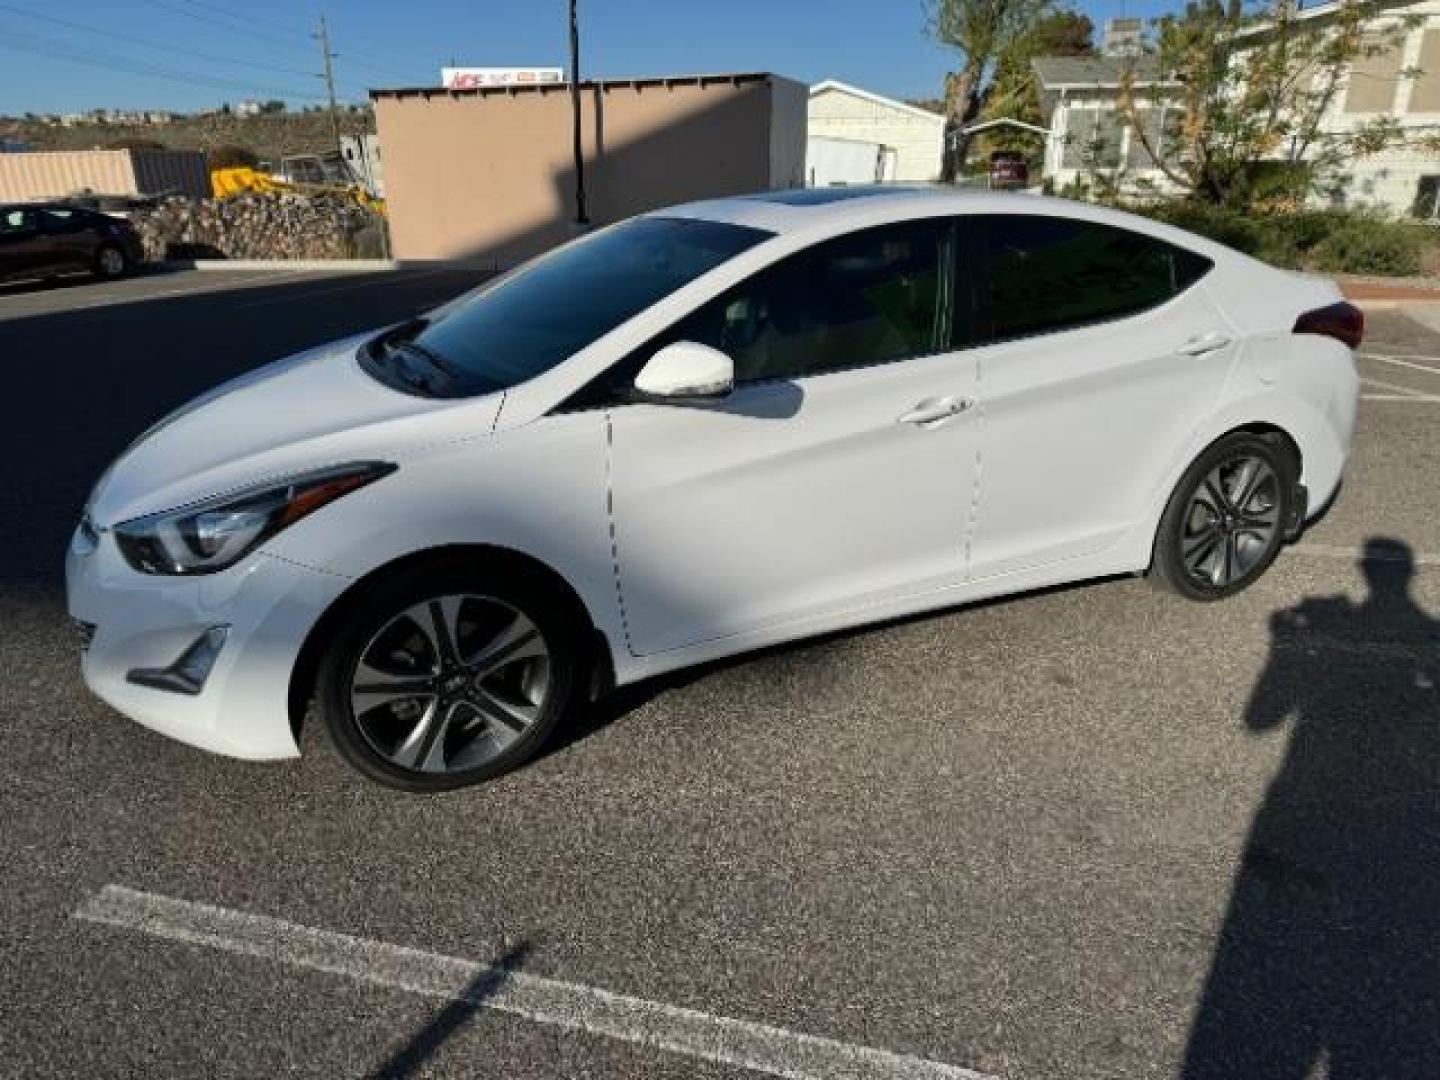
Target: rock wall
{"x": 259, "y": 226}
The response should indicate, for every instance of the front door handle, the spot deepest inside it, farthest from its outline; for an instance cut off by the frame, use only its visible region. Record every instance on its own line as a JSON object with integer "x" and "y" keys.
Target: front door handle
{"x": 932, "y": 412}
{"x": 1201, "y": 344}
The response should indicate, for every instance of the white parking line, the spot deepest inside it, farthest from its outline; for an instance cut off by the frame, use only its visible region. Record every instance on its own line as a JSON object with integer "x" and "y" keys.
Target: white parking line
{"x": 742, "y": 1043}
{"x": 1355, "y": 554}
{"x": 1407, "y": 362}
{"x": 1402, "y": 391}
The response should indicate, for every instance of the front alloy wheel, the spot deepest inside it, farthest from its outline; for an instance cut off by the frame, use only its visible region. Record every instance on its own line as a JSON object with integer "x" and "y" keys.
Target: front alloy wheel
{"x": 437, "y": 681}
{"x": 448, "y": 684}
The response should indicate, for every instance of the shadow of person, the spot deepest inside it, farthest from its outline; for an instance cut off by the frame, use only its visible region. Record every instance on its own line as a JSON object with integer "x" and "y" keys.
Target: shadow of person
{"x": 1330, "y": 950}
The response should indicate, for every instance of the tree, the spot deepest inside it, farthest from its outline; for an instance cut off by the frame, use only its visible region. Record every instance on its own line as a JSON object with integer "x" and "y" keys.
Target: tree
{"x": 981, "y": 31}
{"x": 231, "y": 156}
{"x": 1014, "y": 93}
{"x": 134, "y": 142}
{"x": 1247, "y": 98}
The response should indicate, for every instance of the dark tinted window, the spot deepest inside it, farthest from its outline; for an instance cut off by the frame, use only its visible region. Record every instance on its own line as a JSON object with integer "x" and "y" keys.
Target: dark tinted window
{"x": 1038, "y": 274}
{"x": 528, "y": 322}
{"x": 867, "y": 298}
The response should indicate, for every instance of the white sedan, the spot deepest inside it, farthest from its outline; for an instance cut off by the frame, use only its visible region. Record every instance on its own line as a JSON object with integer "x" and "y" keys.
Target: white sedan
{"x": 698, "y": 432}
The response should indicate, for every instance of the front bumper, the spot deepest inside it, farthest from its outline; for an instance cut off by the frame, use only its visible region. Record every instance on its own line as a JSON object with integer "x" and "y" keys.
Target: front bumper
{"x": 145, "y": 622}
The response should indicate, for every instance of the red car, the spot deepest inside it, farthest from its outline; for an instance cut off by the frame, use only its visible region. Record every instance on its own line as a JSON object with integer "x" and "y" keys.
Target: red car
{"x": 1008, "y": 170}
{"x": 41, "y": 240}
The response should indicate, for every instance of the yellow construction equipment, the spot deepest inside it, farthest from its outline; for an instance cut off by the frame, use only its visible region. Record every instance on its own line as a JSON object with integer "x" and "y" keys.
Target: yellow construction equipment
{"x": 242, "y": 179}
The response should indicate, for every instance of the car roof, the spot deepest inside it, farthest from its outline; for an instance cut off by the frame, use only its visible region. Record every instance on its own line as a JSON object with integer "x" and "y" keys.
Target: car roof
{"x": 819, "y": 212}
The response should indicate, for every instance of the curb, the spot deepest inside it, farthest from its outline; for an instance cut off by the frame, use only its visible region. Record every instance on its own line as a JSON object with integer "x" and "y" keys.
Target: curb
{"x": 1390, "y": 303}
{"x": 338, "y": 265}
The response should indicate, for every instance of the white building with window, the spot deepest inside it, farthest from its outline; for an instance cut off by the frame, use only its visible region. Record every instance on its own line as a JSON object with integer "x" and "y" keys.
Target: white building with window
{"x": 904, "y": 141}
{"x": 1080, "y": 99}
{"x": 1402, "y": 82}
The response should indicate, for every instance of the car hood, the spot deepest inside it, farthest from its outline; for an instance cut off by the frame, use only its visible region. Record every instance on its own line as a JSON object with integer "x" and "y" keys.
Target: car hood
{"x": 315, "y": 409}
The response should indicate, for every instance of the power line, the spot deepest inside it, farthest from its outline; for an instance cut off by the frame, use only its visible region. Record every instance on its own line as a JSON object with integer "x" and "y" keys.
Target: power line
{"x": 23, "y": 42}
{"x": 247, "y": 16}
{"x": 234, "y": 27}
{"x": 144, "y": 43}
{"x": 282, "y": 33}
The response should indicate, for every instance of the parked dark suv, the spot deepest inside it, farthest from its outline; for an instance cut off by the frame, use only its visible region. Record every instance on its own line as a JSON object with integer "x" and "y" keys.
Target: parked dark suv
{"x": 39, "y": 240}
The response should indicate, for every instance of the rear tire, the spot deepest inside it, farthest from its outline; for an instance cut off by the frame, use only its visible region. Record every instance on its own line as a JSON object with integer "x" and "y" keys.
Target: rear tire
{"x": 110, "y": 262}
{"x": 448, "y": 674}
{"x": 1226, "y": 519}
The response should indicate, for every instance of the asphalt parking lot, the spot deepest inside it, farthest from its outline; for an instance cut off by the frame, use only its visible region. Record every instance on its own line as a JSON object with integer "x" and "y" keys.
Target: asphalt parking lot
{"x": 1096, "y": 832}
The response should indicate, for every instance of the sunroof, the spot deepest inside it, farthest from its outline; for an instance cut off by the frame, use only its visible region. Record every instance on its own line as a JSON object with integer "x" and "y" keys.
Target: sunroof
{"x": 819, "y": 196}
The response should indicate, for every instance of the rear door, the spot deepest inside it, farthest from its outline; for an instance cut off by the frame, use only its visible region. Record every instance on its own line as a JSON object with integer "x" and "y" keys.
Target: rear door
{"x": 1099, "y": 351}
{"x": 838, "y": 474}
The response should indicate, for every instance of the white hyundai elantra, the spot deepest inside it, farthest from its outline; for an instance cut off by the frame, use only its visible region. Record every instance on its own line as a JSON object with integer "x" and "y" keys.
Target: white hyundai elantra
{"x": 694, "y": 433}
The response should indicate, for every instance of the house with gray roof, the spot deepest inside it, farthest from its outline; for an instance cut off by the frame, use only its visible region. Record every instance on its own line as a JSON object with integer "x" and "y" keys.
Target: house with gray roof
{"x": 1079, "y": 97}
{"x": 1399, "y": 81}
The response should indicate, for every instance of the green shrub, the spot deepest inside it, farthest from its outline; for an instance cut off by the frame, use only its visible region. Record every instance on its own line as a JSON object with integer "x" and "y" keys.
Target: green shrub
{"x": 1368, "y": 245}
{"x": 1217, "y": 222}
{"x": 1333, "y": 241}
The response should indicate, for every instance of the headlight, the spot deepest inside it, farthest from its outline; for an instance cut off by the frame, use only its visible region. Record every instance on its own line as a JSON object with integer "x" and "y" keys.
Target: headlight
{"x": 208, "y": 536}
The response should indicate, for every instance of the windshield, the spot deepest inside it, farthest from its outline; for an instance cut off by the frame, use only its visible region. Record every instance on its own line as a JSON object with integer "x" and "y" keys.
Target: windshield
{"x": 524, "y": 324}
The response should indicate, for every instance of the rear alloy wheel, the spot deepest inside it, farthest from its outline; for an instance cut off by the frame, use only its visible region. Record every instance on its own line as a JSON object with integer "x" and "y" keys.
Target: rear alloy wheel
{"x": 439, "y": 683}
{"x": 110, "y": 262}
{"x": 1226, "y": 521}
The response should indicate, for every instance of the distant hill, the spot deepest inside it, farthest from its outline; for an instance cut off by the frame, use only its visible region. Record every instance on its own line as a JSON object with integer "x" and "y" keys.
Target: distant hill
{"x": 271, "y": 137}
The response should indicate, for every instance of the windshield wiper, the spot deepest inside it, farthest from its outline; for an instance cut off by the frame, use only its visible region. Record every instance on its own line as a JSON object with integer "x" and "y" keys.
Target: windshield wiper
{"x": 430, "y": 356}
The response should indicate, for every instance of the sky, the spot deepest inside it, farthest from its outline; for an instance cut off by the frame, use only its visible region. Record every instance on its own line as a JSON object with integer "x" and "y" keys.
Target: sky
{"x": 186, "y": 55}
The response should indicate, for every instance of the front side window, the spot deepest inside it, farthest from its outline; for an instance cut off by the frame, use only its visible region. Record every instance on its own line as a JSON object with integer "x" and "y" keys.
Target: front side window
{"x": 867, "y": 298}
{"x": 1040, "y": 274}
{"x": 526, "y": 323}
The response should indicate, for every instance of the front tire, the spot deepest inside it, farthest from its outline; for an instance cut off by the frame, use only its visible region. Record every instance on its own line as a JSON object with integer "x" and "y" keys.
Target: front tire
{"x": 1226, "y": 520}
{"x": 110, "y": 262}
{"x": 447, "y": 675}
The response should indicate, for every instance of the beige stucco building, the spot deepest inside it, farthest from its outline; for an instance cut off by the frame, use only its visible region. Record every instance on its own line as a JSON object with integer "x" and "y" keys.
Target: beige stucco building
{"x": 488, "y": 174}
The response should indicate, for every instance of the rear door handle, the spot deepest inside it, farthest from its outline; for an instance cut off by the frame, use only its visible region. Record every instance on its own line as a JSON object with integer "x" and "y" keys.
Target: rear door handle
{"x": 932, "y": 412}
{"x": 1201, "y": 344}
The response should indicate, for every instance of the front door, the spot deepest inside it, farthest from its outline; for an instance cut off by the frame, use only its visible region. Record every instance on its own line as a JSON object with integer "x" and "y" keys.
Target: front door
{"x": 838, "y": 474}
{"x": 21, "y": 245}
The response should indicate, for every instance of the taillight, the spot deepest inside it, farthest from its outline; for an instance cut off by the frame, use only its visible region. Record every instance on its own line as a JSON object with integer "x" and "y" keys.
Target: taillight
{"x": 1343, "y": 322}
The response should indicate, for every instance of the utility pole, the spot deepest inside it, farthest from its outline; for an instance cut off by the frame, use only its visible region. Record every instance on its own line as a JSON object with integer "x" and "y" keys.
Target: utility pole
{"x": 329, "y": 76}
{"x": 580, "y": 216}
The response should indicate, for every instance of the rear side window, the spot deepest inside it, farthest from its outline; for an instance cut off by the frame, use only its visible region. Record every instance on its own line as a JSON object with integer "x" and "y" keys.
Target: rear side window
{"x": 1036, "y": 275}
{"x": 871, "y": 297}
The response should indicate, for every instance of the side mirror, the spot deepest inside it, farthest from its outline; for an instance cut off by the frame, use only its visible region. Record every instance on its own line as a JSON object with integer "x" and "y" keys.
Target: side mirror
{"x": 686, "y": 370}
